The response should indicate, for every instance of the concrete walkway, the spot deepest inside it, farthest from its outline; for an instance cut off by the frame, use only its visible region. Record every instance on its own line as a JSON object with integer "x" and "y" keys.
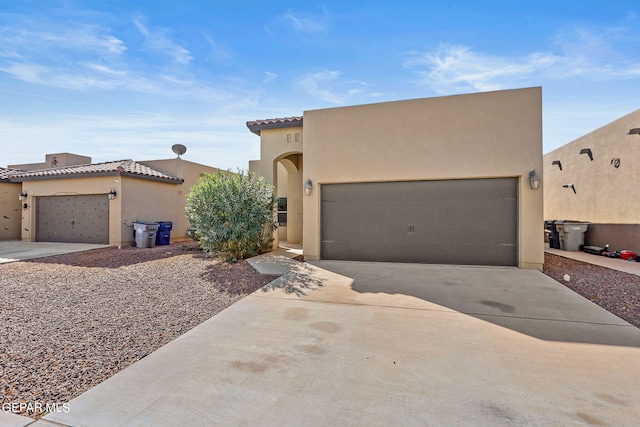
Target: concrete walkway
{"x": 16, "y": 250}
{"x": 340, "y": 343}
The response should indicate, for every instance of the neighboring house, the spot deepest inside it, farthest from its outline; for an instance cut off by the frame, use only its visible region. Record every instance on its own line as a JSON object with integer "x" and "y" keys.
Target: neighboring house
{"x": 99, "y": 202}
{"x": 437, "y": 180}
{"x": 603, "y": 167}
{"x": 10, "y": 206}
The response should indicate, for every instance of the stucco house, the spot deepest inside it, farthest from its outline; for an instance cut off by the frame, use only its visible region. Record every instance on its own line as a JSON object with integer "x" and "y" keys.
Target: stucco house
{"x": 596, "y": 179}
{"x": 437, "y": 180}
{"x": 83, "y": 202}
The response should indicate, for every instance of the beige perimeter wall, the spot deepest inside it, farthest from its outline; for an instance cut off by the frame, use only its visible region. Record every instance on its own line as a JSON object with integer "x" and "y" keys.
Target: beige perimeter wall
{"x": 483, "y": 135}
{"x": 604, "y": 194}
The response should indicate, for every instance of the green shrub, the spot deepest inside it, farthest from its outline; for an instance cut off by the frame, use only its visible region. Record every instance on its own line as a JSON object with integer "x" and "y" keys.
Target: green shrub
{"x": 232, "y": 213}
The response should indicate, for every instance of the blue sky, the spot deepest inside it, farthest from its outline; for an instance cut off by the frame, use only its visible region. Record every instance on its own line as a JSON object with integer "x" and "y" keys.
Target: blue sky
{"x": 128, "y": 79}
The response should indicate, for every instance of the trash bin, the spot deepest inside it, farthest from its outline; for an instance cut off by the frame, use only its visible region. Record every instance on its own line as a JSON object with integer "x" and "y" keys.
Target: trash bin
{"x": 145, "y": 234}
{"x": 554, "y": 236}
{"x": 163, "y": 237}
{"x": 571, "y": 234}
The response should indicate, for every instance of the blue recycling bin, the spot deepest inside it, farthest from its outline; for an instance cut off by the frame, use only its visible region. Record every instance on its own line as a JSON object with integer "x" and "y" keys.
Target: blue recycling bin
{"x": 163, "y": 235}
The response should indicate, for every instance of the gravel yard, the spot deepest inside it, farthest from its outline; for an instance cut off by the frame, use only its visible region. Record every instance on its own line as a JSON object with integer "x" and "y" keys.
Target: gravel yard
{"x": 613, "y": 290}
{"x": 71, "y": 321}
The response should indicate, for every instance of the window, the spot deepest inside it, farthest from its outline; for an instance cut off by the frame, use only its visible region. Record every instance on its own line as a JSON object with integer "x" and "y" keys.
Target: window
{"x": 282, "y": 211}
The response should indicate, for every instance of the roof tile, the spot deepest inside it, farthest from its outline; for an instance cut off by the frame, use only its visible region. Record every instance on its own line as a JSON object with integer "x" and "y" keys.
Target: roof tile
{"x": 119, "y": 166}
{"x": 256, "y": 126}
{"x": 6, "y": 173}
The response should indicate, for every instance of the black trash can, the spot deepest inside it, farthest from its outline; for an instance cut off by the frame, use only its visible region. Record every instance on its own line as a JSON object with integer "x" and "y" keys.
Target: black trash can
{"x": 163, "y": 236}
{"x": 554, "y": 235}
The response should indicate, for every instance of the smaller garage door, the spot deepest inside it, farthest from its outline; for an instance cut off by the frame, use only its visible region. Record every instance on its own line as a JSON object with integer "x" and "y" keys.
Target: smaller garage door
{"x": 73, "y": 219}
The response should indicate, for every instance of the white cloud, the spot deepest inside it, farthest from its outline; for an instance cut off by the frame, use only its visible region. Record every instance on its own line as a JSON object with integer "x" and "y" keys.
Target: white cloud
{"x": 315, "y": 84}
{"x": 330, "y": 86}
{"x": 83, "y": 38}
{"x": 105, "y": 69}
{"x": 576, "y": 53}
{"x": 218, "y": 52}
{"x": 269, "y": 77}
{"x": 457, "y": 68}
{"x": 92, "y": 76}
{"x": 141, "y": 27}
{"x": 316, "y": 24}
{"x": 157, "y": 40}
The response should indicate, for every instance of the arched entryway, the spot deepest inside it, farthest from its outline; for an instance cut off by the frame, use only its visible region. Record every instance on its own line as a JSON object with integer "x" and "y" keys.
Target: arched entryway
{"x": 288, "y": 183}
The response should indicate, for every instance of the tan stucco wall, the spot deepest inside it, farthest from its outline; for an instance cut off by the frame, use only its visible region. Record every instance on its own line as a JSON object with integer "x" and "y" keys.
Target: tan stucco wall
{"x": 55, "y": 160}
{"x": 282, "y": 190}
{"x": 149, "y": 201}
{"x": 276, "y": 144}
{"x": 10, "y": 211}
{"x": 604, "y": 194}
{"x": 177, "y": 196}
{"x": 70, "y": 187}
{"x": 493, "y": 134}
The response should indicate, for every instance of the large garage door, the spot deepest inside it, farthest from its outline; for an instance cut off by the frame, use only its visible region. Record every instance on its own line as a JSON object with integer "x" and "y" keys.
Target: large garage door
{"x": 470, "y": 221}
{"x": 73, "y": 219}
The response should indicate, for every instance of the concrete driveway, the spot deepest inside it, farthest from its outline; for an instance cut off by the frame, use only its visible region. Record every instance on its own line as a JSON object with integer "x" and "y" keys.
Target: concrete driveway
{"x": 16, "y": 250}
{"x": 342, "y": 343}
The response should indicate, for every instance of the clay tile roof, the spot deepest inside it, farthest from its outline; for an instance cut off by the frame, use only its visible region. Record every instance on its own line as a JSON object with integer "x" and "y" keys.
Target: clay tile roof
{"x": 6, "y": 173}
{"x": 125, "y": 167}
{"x": 256, "y": 126}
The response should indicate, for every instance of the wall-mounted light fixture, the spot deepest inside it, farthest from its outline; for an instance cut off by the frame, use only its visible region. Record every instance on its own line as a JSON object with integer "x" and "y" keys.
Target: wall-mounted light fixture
{"x": 534, "y": 180}
{"x": 557, "y": 162}
{"x": 588, "y": 152}
{"x": 634, "y": 131}
{"x": 112, "y": 194}
{"x": 571, "y": 186}
{"x": 307, "y": 187}
{"x": 22, "y": 196}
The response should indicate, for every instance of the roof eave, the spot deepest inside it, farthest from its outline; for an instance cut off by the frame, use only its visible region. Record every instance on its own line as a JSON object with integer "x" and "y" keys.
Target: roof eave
{"x": 257, "y": 127}
{"x": 98, "y": 174}
{"x": 153, "y": 178}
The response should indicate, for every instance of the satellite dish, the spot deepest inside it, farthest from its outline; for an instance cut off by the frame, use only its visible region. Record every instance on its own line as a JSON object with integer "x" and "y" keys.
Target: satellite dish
{"x": 179, "y": 149}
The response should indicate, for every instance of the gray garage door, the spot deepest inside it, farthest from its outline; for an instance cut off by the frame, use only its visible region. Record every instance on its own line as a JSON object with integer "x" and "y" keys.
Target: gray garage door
{"x": 73, "y": 219}
{"x": 438, "y": 222}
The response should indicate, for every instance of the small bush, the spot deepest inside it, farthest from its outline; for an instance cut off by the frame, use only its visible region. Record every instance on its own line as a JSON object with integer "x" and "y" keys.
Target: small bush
{"x": 232, "y": 213}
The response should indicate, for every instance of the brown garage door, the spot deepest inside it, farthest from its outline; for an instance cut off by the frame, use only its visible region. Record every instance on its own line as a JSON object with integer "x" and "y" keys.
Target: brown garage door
{"x": 470, "y": 221}
{"x": 73, "y": 219}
